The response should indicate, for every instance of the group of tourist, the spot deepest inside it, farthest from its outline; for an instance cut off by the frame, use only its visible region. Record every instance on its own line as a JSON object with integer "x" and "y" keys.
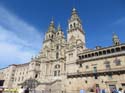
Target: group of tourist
{"x": 120, "y": 90}
{"x": 114, "y": 90}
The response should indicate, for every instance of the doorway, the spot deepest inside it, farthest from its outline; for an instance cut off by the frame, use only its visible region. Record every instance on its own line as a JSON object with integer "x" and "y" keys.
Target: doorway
{"x": 1, "y": 82}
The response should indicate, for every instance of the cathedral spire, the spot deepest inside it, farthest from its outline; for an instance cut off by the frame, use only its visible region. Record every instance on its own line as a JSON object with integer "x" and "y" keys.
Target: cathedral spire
{"x": 52, "y": 21}
{"x": 74, "y": 15}
{"x": 59, "y": 28}
{"x": 51, "y": 30}
{"x": 51, "y": 26}
{"x": 74, "y": 21}
{"x": 115, "y": 39}
{"x": 59, "y": 31}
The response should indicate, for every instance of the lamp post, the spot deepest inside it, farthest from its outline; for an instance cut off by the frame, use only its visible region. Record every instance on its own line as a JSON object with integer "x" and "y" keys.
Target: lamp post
{"x": 95, "y": 73}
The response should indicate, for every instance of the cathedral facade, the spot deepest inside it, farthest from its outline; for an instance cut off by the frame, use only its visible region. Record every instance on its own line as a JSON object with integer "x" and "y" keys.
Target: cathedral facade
{"x": 66, "y": 65}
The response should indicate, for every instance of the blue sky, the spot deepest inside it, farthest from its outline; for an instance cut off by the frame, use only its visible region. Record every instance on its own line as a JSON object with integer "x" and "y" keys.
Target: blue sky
{"x": 23, "y": 24}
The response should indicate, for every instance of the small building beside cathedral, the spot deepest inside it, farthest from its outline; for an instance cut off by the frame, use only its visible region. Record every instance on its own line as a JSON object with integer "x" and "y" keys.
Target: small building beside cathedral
{"x": 66, "y": 65}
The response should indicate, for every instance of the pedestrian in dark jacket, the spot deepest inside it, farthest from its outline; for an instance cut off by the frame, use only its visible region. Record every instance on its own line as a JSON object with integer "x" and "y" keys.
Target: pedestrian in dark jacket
{"x": 114, "y": 90}
{"x": 27, "y": 90}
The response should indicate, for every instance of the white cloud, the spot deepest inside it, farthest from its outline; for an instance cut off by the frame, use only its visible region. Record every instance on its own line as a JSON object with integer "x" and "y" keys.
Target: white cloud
{"x": 119, "y": 21}
{"x": 18, "y": 40}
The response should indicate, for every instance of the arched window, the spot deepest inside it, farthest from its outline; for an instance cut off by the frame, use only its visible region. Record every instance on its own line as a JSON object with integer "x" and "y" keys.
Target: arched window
{"x": 80, "y": 57}
{"x": 118, "y": 49}
{"x": 57, "y": 66}
{"x": 57, "y": 70}
{"x": 57, "y": 55}
{"x": 58, "y": 33}
{"x": 22, "y": 78}
{"x": 108, "y": 51}
{"x": 57, "y": 47}
{"x": 74, "y": 25}
{"x": 36, "y": 75}
{"x": 117, "y": 62}
{"x": 70, "y": 26}
{"x": 80, "y": 65}
{"x": 55, "y": 73}
{"x": 104, "y": 52}
{"x": 52, "y": 36}
{"x": 112, "y": 50}
{"x": 96, "y": 53}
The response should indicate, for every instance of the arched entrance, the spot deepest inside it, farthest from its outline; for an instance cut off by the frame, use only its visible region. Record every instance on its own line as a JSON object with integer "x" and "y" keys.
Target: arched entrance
{"x": 31, "y": 84}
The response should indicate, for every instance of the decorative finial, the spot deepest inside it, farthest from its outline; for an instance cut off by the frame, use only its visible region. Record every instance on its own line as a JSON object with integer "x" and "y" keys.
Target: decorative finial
{"x": 74, "y": 9}
{"x": 51, "y": 26}
{"x": 114, "y": 35}
{"x": 52, "y": 21}
{"x": 59, "y": 27}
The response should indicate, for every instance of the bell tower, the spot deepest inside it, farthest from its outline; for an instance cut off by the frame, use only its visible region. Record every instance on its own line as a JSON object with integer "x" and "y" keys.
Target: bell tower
{"x": 76, "y": 34}
{"x": 115, "y": 39}
{"x": 48, "y": 42}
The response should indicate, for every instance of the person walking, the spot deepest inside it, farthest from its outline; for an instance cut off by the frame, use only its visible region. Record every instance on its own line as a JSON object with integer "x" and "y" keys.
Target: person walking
{"x": 114, "y": 90}
{"x": 103, "y": 91}
{"x": 120, "y": 90}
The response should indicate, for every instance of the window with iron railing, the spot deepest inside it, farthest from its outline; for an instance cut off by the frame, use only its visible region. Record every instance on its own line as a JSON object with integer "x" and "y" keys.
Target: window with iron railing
{"x": 107, "y": 65}
{"x": 117, "y": 62}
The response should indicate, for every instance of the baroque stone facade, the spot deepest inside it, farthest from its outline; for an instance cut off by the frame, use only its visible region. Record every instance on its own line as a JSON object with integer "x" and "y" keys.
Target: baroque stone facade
{"x": 67, "y": 66}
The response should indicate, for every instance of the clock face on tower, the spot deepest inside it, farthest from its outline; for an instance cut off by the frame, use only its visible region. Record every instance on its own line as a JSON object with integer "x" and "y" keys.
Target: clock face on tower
{"x": 79, "y": 42}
